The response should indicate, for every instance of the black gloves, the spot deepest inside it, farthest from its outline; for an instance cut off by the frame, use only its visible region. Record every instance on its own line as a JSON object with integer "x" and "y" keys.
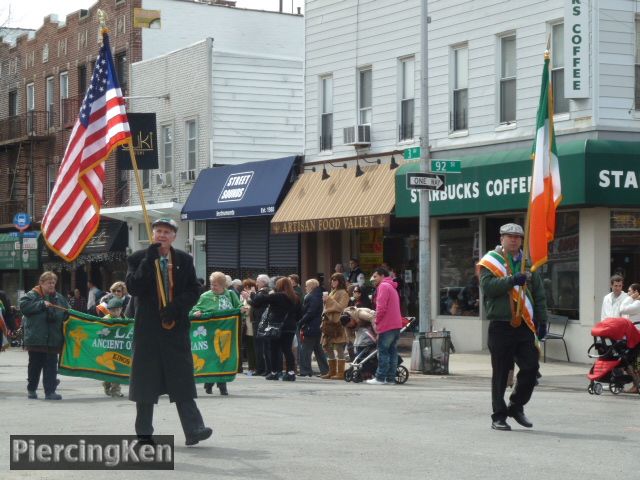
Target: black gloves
{"x": 153, "y": 252}
{"x": 169, "y": 315}
{"x": 520, "y": 279}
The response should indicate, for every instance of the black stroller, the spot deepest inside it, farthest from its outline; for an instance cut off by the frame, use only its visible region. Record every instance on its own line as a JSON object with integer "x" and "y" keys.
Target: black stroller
{"x": 366, "y": 361}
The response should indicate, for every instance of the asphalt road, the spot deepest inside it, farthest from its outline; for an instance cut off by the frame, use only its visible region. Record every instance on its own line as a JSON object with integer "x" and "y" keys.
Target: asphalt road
{"x": 432, "y": 427}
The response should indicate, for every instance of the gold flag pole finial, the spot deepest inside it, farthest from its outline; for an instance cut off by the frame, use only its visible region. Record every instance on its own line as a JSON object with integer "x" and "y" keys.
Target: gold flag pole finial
{"x": 102, "y": 20}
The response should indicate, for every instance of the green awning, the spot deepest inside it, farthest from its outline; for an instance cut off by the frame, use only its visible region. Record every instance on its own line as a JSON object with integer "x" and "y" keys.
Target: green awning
{"x": 593, "y": 173}
{"x": 10, "y": 251}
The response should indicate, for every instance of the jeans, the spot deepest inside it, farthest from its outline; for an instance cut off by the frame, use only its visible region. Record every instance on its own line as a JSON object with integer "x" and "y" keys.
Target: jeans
{"x": 44, "y": 362}
{"x": 387, "y": 356}
{"x": 308, "y": 346}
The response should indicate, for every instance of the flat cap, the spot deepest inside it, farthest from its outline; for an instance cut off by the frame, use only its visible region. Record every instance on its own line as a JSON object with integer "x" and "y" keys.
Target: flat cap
{"x": 169, "y": 222}
{"x": 511, "y": 229}
{"x": 115, "y": 302}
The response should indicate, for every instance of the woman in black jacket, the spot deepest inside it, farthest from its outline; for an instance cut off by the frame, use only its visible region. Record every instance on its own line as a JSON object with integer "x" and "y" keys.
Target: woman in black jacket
{"x": 284, "y": 308}
{"x": 310, "y": 333}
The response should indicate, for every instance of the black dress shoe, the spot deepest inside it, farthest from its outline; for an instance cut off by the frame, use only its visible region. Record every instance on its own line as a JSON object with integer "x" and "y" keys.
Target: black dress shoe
{"x": 223, "y": 388}
{"x": 500, "y": 425}
{"x": 146, "y": 440}
{"x": 521, "y": 418}
{"x": 197, "y": 436}
{"x": 208, "y": 388}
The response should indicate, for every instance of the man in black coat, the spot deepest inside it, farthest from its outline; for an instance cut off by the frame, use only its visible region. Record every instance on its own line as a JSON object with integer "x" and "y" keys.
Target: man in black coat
{"x": 309, "y": 326}
{"x": 162, "y": 361}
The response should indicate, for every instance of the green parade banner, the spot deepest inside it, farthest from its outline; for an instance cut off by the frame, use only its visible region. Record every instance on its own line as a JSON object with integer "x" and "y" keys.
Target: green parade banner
{"x": 100, "y": 348}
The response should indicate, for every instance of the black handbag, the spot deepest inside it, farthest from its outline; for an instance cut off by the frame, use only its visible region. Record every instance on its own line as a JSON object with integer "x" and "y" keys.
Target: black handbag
{"x": 267, "y": 328}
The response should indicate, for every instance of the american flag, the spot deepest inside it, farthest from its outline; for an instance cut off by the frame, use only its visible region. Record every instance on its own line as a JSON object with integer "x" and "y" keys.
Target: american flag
{"x": 73, "y": 213}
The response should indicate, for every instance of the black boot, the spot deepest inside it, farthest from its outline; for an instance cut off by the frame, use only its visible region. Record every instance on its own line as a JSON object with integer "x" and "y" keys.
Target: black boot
{"x": 223, "y": 388}
{"x": 208, "y": 387}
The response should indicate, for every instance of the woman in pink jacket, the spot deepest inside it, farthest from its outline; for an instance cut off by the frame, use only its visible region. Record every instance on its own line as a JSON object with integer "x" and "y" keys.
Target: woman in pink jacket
{"x": 388, "y": 325}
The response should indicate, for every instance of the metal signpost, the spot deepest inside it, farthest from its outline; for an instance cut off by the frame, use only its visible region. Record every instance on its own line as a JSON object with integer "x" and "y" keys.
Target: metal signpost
{"x": 21, "y": 221}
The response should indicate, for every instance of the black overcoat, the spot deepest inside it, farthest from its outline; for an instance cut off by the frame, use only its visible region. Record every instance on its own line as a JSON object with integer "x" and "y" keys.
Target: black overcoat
{"x": 162, "y": 361}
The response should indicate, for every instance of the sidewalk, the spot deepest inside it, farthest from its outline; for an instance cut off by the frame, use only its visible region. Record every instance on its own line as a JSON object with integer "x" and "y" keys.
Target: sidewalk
{"x": 555, "y": 374}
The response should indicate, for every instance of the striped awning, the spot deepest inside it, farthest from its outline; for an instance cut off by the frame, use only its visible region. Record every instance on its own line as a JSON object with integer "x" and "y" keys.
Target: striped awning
{"x": 340, "y": 202}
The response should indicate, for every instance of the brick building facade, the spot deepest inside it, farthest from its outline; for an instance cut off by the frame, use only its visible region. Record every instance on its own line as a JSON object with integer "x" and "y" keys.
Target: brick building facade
{"x": 43, "y": 78}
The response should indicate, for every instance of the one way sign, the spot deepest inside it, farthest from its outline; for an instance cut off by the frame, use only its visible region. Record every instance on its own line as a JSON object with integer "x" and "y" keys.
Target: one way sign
{"x": 425, "y": 181}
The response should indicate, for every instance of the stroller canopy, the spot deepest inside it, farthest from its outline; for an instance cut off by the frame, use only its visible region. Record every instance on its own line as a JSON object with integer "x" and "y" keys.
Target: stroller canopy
{"x": 617, "y": 329}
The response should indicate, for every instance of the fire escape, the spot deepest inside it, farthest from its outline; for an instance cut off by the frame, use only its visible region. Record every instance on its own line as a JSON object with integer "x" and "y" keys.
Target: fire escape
{"x": 27, "y": 146}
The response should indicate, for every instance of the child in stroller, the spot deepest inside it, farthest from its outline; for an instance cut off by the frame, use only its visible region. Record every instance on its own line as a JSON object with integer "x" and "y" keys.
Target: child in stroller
{"x": 365, "y": 363}
{"x": 617, "y": 345}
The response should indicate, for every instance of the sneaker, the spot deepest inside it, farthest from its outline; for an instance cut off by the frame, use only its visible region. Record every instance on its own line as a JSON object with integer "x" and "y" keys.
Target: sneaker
{"x": 375, "y": 381}
{"x": 249, "y": 373}
{"x": 272, "y": 376}
{"x": 32, "y": 395}
{"x": 289, "y": 377}
{"x": 53, "y": 396}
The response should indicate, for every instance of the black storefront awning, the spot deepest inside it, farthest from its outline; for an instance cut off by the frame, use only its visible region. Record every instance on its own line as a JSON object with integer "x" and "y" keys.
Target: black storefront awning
{"x": 110, "y": 238}
{"x": 245, "y": 190}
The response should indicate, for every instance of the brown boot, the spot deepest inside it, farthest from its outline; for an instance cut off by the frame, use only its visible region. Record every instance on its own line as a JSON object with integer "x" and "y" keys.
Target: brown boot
{"x": 340, "y": 371}
{"x": 333, "y": 363}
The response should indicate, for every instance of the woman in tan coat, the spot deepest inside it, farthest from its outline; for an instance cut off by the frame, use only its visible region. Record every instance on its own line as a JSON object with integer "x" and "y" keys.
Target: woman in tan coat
{"x": 334, "y": 337}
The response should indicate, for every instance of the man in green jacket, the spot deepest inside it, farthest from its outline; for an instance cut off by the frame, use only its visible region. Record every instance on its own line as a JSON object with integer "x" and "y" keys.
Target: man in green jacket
{"x": 512, "y": 336}
{"x": 44, "y": 310}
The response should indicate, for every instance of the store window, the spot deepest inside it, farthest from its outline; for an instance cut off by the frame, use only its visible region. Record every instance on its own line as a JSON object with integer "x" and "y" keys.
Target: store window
{"x": 458, "y": 253}
{"x": 625, "y": 245}
{"x": 561, "y": 274}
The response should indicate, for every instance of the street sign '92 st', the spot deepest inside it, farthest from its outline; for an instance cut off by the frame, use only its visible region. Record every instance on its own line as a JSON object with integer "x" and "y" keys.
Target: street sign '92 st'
{"x": 425, "y": 181}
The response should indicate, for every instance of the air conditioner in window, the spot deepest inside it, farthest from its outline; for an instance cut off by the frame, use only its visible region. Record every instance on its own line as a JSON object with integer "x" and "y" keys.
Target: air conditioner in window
{"x": 358, "y": 135}
{"x": 163, "y": 179}
{"x": 188, "y": 175}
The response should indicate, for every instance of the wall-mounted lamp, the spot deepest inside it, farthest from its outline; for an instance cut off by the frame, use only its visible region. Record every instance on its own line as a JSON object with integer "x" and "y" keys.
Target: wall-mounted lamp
{"x": 393, "y": 165}
{"x": 187, "y": 246}
{"x": 359, "y": 171}
{"x": 325, "y": 174}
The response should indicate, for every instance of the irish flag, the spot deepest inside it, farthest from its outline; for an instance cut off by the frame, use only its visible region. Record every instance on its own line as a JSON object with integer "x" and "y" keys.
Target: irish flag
{"x": 545, "y": 182}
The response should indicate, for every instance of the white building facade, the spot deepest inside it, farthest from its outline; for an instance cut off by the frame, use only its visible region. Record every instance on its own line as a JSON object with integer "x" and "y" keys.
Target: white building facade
{"x": 217, "y": 103}
{"x": 484, "y": 69}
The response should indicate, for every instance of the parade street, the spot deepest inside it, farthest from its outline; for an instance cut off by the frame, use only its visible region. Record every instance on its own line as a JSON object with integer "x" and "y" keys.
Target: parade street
{"x": 432, "y": 427}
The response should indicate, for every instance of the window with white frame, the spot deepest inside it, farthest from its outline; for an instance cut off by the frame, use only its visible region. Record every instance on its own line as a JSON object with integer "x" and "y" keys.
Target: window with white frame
{"x": 49, "y": 96}
{"x": 637, "y": 67}
{"x": 64, "y": 93}
{"x": 326, "y": 113}
{"x": 31, "y": 106}
{"x": 145, "y": 178}
{"x": 190, "y": 146}
{"x": 407, "y": 98}
{"x": 52, "y": 172}
{"x": 460, "y": 91}
{"x": 508, "y": 79}
{"x": 167, "y": 154}
{"x": 143, "y": 235}
{"x": 364, "y": 96}
{"x": 560, "y": 102}
{"x": 13, "y": 103}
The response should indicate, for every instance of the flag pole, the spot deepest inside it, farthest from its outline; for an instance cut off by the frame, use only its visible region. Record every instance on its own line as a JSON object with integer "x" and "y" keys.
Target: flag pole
{"x": 525, "y": 246}
{"x": 102, "y": 19}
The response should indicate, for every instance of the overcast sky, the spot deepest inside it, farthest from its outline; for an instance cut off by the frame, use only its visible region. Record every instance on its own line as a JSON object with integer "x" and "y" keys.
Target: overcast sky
{"x": 29, "y": 13}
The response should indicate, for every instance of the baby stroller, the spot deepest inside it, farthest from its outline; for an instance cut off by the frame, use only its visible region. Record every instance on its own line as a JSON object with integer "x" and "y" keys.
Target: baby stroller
{"x": 367, "y": 360}
{"x": 617, "y": 345}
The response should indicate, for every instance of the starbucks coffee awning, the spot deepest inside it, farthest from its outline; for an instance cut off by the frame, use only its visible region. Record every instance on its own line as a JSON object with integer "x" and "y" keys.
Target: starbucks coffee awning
{"x": 340, "y": 202}
{"x": 592, "y": 172}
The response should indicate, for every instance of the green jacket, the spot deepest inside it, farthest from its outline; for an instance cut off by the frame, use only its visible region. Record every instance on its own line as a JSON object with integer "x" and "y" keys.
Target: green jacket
{"x": 42, "y": 325}
{"x": 497, "y": 296}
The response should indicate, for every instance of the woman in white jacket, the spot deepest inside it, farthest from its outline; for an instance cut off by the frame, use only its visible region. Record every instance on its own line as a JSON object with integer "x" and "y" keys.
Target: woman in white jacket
{"x": 630, "y": 307}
